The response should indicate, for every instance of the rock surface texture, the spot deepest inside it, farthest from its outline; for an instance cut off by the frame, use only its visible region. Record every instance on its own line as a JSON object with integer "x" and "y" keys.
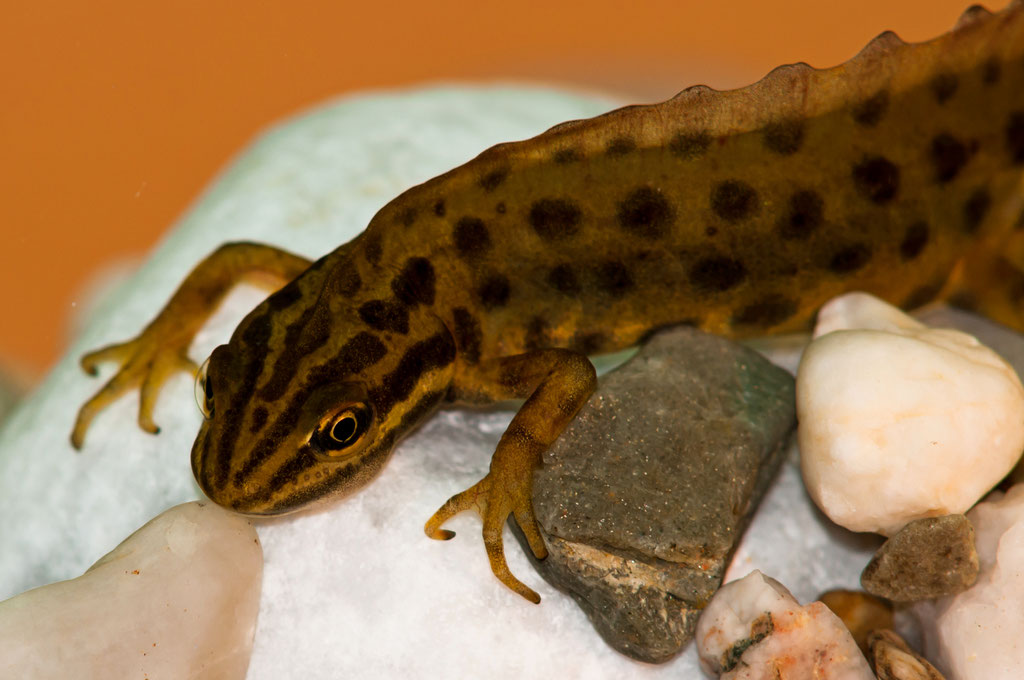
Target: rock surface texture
{"x": 979, "y": 633}
{"x": 177, "y": 599}
{"x": 643, "y": 499}
{"x": 928, "y": 558}
{"x": 899, "y": 421}
{"x": 754, "y": 629}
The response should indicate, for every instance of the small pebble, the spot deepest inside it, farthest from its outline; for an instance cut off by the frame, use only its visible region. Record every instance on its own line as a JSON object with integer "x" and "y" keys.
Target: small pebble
{"x": 176, "y": 599}
{"x": 979, "y": 634}
{"x": 893, "y": 659}
{"x": 754, "y": 629}
{"x": 928, "y": 558}
{"x": 860, "y": 612}
{"x": 899, "y": 421}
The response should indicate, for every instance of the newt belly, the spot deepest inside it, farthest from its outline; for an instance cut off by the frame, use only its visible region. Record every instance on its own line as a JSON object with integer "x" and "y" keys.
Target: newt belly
{"x": 741, "y": 212}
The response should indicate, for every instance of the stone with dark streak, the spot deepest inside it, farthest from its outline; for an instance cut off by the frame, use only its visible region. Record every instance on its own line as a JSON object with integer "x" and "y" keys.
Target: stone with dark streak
{"x": 644, "y": 497}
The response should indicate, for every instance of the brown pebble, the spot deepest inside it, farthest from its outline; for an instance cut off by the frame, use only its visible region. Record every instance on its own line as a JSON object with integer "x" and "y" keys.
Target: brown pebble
{"x": 860, "y": 612}
{"x": 892, "y": 659}
{"x": 930, "y": 557}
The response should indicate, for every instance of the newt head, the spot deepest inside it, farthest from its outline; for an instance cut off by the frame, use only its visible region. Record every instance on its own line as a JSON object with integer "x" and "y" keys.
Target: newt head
{"x": 308, "y": 398}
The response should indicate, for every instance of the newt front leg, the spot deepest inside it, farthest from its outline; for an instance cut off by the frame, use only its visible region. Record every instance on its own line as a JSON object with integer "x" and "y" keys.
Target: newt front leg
{"x": 556, "y": 383}
{"x": 149, "y": 359}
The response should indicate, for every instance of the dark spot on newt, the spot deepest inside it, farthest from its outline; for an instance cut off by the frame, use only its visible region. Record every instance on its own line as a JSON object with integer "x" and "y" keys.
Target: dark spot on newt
{"x": 1015, "y": 137}
{"x": 717, "y": 274}
{"x": 645, "y": 212}
{"x": 690, "y": 145}
{"x": 850, "y": 258}
{"x": 494, "y": 291}
{"x": 770, "y": 310}
{"x": 620, "y": 146}
{"x": 383, "y": 315}
{"x": 976, "y": 208}
{"x": 372, "y": 247}
{"x": 588, "y": 343}
{"x": 944, "y": 86}
{"x": 467, "y": 334}
{"x": 949, "y": 155}
{"x": 914, "y": 241}
{"x": 803, "y": 216}
{"x": 613, "y": 278}
{"x": 563, "y": 279}
{"x": 536, "y": 333}
{"x": 734, "y": 200}
{"x": 991, "y": 71}
{"x": 565, "y": 156}
{"x": 876, "y": 179}
{"x": 415, "y": 283}
{"x": 784, "y": 137}
{"x": 555, "y": 218}
{"x": 871, "y": 111}
{"x": 471, "y": 237}
{"x": 407, "y": 217}
{"x": 493, "y": 179}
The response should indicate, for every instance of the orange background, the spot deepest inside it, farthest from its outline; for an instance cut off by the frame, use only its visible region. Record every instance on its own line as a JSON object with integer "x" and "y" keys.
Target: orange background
{"x": 115, "y": 113}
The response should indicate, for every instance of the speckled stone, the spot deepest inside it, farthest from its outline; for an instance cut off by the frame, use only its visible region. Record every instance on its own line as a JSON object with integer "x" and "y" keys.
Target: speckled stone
{"x": 929, "y": 557}
{"x": 892, "y": 659}
{"x": 860, "y": 612}
{"x": 644, "y": 497}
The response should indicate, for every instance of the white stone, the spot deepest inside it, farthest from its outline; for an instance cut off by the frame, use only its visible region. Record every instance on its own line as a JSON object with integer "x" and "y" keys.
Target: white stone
{"x": 177, "y": 599}
{"x": 776, "y": 637}
{"x": 899, "y": 421}
{"x": 979, "y": 634}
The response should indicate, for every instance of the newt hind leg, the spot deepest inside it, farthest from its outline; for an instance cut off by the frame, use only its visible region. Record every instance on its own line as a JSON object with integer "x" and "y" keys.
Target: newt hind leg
{"x": 161, "y": 349}
{"x": 555, "y": 383}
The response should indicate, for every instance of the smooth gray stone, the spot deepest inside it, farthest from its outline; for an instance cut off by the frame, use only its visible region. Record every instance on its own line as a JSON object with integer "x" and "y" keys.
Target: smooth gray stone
{"x": 644, "y": 497}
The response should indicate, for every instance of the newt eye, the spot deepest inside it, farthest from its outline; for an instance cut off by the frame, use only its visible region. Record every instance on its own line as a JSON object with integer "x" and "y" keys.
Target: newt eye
{"x": 343, "y": 429}
{"x": 204, "y": 391}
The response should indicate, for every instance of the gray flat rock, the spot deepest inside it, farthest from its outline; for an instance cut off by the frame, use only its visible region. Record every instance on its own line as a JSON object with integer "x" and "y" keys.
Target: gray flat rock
{"x": 645, "y": 496}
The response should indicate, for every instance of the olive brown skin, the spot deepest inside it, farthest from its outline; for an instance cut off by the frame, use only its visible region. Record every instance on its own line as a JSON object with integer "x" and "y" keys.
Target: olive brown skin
{"x": 741, "y": 212}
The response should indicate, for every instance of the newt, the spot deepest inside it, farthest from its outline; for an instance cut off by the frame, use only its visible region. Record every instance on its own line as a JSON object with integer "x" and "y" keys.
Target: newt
{"x": 899, "y": 173}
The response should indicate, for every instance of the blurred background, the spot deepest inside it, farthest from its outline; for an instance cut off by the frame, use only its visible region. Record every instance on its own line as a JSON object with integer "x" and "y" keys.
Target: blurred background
{"x": 116, "y": 113}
